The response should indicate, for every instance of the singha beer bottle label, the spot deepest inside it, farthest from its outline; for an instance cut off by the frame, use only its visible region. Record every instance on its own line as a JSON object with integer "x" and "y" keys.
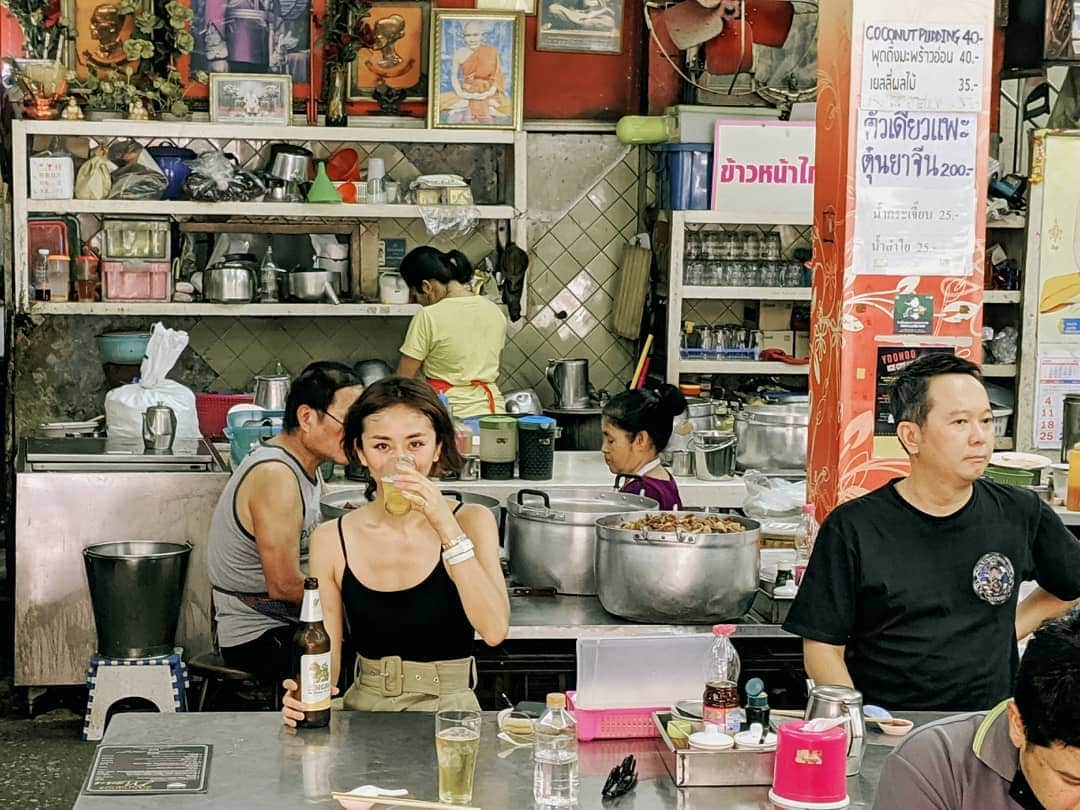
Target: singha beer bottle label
{"x": 315, "y": 681}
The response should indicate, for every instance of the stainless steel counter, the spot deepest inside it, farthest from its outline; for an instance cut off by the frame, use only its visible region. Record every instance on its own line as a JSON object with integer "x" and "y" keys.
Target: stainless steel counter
{"x": 572, "y": 617}
{"x": 256, "y": 763}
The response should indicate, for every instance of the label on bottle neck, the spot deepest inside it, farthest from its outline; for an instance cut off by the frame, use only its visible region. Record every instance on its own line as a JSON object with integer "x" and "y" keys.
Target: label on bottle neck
{"x": 311, "y": 609}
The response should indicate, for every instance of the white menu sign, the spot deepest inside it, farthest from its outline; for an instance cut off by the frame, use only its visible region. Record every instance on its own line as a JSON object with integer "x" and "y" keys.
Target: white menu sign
{"x": 764, "y": 167}
{"x": 913, "y": 66}
{"x": 915, "y": 194}
{"x": 1055, "y": 377}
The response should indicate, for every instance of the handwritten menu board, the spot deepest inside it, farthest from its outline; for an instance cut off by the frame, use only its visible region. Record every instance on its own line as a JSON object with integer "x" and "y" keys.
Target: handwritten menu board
{"x": 923, "y": 67}
{"x": 915, "y": 166}
{"x": 146, "y": 769}
{"x": 915, "y": 193}
{"x": 1055, "y": 377}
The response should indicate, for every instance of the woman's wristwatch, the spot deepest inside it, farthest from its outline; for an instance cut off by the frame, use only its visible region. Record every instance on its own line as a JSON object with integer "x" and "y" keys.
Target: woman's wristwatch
{"x": 458, "y": 550}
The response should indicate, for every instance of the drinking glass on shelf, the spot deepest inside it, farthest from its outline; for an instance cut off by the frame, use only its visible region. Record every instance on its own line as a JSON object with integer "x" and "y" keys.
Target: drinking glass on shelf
{"x": 730, "y": 245}
{"x": 457, "y": 742}
{"x": 772, "y": 249}
{"x": 712, "y": 274}
{"x": 771, "y": 274}
{"x": 751, "y": 246}
{"x": 693, "y": 244}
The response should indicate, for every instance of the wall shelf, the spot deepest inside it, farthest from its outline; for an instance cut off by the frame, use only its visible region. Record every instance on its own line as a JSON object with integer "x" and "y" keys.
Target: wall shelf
{"x": 740, "y": 367}
{"x": 1001, "y": 296}
{"x": 200, "y": 309}
{"x": 182, "y": 208}
{"x": 739, "y": 218}
{"x": 999, "y": 370}
{"x": 746, "y": 293}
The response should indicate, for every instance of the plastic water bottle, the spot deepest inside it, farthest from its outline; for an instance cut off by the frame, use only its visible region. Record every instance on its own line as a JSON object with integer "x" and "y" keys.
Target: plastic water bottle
{"x": 720, "y": 703}
{"x": 805, "y": 537}
{"x": 555, "y": 756}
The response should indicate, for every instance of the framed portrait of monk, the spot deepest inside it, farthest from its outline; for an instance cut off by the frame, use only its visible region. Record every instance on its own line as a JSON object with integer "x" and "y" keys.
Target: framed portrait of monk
{"x": 477, "y": 62}
{"x": 399, "y": 57}
{"x": 100, "y": 33}
{"x": 585, "y": 26}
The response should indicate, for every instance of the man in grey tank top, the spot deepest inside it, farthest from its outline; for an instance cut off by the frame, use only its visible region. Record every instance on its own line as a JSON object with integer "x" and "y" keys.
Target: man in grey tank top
{"x": 259, "y": 531}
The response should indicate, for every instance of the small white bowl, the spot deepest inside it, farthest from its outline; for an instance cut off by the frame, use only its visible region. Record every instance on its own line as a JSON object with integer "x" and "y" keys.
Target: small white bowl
{"x": 895, "y": 726}
{"x": 749, "y": 741}
{"x": 711, "y": 740}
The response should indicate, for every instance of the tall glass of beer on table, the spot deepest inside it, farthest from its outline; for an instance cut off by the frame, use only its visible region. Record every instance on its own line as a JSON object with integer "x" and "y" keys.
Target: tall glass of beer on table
{"x": 457, "y": 741}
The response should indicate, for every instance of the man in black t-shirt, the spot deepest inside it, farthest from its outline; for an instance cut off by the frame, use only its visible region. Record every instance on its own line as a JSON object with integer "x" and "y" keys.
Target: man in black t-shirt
{"x": 911, "y": 592}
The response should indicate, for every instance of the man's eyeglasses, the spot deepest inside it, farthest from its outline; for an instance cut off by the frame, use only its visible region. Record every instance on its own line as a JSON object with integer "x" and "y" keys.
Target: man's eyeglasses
{"x": 327, "y": 413}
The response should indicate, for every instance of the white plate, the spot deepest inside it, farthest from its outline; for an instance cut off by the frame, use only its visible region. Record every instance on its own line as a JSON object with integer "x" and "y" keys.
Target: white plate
{"x": 1020, "y": 461}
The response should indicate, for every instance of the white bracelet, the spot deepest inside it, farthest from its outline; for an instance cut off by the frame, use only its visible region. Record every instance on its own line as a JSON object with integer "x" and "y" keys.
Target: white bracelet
{"x": 461, "y": 546}
{"x": 461, "y": 538}
{"x": 461, "y": 557}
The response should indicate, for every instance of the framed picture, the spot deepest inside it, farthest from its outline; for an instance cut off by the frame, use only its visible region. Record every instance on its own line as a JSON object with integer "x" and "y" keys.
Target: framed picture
{"x": 476, "y": 69}
{"x": 251, "y": 98}
{"x": 1062, "y": 31}
{"x": 100, "y": 33}
{"x": 588, "y": 26}
{"x": 400, "y": 55}
{"x": 527, "y": 7}
{"x": 252, "y": 36}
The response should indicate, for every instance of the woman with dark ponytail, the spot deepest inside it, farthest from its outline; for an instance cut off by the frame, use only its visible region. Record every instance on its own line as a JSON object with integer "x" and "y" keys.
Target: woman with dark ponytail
{"x": 456, "y": 338}
{"x": 637, "y": 425}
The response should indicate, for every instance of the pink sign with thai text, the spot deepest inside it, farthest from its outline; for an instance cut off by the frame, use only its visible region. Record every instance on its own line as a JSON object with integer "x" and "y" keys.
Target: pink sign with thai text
{"x": 764, "y": 168}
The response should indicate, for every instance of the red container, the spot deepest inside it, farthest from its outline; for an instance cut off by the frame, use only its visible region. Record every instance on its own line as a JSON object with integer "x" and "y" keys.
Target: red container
{"x": 135, "y": 280}
{"x": 810, "y": 767}
{"x": 212, "y": 410}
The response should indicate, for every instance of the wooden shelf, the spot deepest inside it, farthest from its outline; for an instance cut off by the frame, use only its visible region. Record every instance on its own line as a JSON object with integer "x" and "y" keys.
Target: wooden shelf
{"x": 246, "y": 209}
{"x": 751, "y": 293}
{"x": 739, "y": 367}
{"x": 180, "y": 310}
{"x": 1010, "y": 223}
{"x": 999, "y": 370}
{"x": 1001, "y": 296}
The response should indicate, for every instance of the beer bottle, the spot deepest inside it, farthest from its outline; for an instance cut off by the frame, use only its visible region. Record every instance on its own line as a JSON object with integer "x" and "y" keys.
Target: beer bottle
{"x": 311, "y": 659}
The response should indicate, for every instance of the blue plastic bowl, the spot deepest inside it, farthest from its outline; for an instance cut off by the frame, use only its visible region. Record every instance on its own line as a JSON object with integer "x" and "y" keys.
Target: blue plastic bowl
{"x": 123, "y": 348}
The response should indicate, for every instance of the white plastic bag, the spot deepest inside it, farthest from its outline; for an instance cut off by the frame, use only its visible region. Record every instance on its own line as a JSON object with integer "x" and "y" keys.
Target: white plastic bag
{"x": 124, "y": 406}
{"x": 772, "y": 497}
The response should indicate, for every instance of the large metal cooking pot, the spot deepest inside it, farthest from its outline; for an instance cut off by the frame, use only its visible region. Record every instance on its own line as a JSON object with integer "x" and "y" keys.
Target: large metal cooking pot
{"x": 232, "y": 280}
{"x": 341, "y": 502}
{"x": 551, "y": 535}
{"x": 772, "y": 438}
{"x": 699, "y": 415}
{"x": 676, "y": 578}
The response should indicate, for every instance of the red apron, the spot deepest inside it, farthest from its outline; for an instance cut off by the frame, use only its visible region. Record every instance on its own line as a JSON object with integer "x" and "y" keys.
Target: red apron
{"x": 442, "y": 386}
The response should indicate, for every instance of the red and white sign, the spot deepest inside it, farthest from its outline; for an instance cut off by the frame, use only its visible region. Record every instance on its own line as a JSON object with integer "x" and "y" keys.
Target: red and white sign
{"x": 765, "y": 167}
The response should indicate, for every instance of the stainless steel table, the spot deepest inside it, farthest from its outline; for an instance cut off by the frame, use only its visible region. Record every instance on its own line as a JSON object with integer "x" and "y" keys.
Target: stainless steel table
{"x": 257, "y": 763}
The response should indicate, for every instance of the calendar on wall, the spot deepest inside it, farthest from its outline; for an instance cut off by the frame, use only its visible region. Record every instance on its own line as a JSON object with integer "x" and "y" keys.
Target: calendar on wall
{"x": 1056, "y": 377}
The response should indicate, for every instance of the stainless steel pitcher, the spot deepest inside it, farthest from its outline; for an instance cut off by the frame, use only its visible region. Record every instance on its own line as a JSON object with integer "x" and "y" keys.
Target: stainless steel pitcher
{"x": 159, "y": 428}
{"x": 271, "y": 391}
{"x": 828, "y": 700}
{"x": 569, "y": 378}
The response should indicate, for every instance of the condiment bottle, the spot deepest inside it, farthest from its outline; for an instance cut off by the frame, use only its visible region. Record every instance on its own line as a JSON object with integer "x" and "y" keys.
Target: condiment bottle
{"x": 720, "y": 703}
{"x": 40, "y": 278}
{"x": 757, "y": 703}
{"x": 1072, "y": 497}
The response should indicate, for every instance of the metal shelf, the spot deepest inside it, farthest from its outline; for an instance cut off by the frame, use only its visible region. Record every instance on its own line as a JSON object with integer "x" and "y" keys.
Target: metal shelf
{"x": 248, "y": 209}
{"x": 740, "y": 367}
{"x": 751, "y": 293}
{"x": 1001, "y": 296}
{"x": 999, "y": 370}
{"x": 180, "y": 310}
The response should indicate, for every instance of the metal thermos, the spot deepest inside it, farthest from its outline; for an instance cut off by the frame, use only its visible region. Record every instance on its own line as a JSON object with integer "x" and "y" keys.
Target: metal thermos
{"x": 569, "y": 378}
{"x": 1070, "y": 424}
{"x": 842, "y": 701}
{"x": 159, "y": 428}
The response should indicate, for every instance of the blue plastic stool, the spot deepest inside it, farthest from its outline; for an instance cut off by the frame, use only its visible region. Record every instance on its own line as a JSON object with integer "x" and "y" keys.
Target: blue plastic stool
{"x": 160, "y": 680}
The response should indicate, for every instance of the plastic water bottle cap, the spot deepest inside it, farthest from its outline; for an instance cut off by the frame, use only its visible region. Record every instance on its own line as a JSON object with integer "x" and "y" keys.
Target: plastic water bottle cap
{"x": 808, "y": 509}
{"x": 754, "y": 686}
{"x": 723, "y": 629}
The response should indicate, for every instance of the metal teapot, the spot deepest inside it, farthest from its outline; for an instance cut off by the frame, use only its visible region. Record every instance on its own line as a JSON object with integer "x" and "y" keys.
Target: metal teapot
{"x": 159, "y": 428}
{"x": 841, "y": 701}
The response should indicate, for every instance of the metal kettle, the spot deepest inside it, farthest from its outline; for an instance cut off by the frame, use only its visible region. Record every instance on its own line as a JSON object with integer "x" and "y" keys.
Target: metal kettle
{"x": 829, "y": 700}
{"x": 569, "y": 378}
{"x": 271, "y": 390}
{"x": 158, "y": 428}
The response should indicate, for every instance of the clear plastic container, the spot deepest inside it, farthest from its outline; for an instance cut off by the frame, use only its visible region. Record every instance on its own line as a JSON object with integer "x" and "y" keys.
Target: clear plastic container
{"x": 805, "y": 537}
{"x": 620, "y": 672}
{"x": 556, "y": 779}
{"x": 59, "y": 271}
{"x": 720, "y": 702}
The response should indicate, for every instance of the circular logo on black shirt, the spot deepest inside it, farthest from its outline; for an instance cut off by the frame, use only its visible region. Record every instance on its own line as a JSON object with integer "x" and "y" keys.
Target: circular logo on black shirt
{"x": 993, "y": 578}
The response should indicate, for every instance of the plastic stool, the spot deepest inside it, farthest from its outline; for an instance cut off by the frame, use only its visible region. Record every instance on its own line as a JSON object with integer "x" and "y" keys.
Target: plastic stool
{"x": 160, "y": 680}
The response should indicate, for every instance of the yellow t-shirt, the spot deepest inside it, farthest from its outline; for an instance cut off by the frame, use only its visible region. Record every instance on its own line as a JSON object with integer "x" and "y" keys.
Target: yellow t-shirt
{"x": 459, "y": 340}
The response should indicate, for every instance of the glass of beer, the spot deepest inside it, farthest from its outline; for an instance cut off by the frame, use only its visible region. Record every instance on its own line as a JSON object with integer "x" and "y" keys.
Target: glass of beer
{"x": 393, "y": 499}
{"x": 457, "y": 741}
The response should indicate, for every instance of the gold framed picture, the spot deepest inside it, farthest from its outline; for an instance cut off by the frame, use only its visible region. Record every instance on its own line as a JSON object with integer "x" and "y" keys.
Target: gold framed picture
{"x": 400, "y": 55}
{"x": 477, "y": 60}
{"x": 251, "y": 98}
{"x": 100, "y": 33}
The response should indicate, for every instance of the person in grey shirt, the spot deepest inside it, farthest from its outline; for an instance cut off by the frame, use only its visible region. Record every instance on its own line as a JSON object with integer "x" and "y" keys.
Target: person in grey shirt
{"x": 1024, "y": 753}
{"x": 259, "y": 531}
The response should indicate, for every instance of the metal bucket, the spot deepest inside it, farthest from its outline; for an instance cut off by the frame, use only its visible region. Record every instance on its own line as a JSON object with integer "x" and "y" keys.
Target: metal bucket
{"x": 136, "y": 588}
{"x": 675, "y": 578}
{"x": 714, "y": 454}
{"x": 551, "y": 535}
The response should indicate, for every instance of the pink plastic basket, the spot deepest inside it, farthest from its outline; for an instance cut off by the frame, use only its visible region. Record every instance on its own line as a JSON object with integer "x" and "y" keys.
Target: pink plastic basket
{"x": 614, "y": 724}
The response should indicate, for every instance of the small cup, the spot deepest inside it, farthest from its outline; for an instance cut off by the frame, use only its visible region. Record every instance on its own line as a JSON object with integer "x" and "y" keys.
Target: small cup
{"x": 751, "y": 740}
{"x": 394, "y": 500}
{"x": 895, "y": 726}
{"x": 711, "y": 739}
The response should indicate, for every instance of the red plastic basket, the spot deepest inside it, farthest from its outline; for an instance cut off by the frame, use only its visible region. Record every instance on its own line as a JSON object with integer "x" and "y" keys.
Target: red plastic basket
{"x": 614, "y": 724}
{"x": 212, "y": 409}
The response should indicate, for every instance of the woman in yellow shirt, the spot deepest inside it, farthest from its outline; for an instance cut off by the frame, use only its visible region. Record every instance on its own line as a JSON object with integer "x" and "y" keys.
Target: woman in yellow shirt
{"x": 456, "y": 338}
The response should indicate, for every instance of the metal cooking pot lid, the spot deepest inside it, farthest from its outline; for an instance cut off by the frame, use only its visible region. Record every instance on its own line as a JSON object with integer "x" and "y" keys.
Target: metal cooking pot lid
{"x": 775, "y": 415}
{"x": 572, "y": 500}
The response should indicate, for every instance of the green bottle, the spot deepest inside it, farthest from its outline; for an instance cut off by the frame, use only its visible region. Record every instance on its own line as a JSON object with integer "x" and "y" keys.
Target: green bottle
{"x": 322, "y": 189}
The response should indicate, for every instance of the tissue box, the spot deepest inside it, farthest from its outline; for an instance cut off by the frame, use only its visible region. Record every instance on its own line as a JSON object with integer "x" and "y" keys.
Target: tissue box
{"x": 778, "y": 339}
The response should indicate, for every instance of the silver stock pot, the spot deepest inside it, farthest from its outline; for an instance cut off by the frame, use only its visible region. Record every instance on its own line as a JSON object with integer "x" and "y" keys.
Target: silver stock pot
{"x": 551, "y": 535}
{"x": 676, "y": 578}
{"x": 772, "y": 438}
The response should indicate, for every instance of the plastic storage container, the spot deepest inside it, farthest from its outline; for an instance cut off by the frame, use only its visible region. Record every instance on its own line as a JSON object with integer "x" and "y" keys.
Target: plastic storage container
{"x": 614, "y": 672}
{"x": 614, "y": 724}
{"x": 136, "y": 281}
{"x": 536, "y": 448}
{"x": 136, "y": 239}
{"x": 685, "y": 175}
{"x": 135, "y": 590}
{"x": 212, "y": 410}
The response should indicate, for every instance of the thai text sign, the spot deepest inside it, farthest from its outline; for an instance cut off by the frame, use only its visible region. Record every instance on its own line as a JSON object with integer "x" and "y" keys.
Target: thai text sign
{"x": 766, "y": 168}
{"x": 909, "y": 66}
{"x": 915, "y": 193}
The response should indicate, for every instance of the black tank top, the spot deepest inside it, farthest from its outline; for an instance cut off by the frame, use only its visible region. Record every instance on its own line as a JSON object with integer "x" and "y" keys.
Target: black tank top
{"x": 424, "y": 623}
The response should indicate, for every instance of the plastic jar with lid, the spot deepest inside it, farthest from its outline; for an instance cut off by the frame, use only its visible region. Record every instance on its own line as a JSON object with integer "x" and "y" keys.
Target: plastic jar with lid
{"x": 58, "y": 269}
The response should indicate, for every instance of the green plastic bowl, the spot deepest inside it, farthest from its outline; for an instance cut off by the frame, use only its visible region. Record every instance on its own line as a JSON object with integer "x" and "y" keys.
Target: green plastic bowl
{"x": 1010, "y": 475}
{"x": 123, "y": 348}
